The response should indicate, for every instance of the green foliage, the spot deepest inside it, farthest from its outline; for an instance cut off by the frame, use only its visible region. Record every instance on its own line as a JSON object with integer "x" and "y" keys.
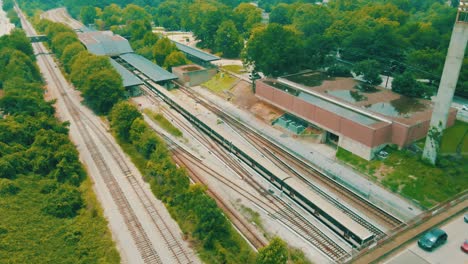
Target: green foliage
{"x": 64, "y": 202}
{"x": 228, "y": 40}
{"x": 196, "y": 212}
{"x": 165, "y": 124}
{"x": 274, "y": 253}
{"x": 88, "y": 14}
{"x": 455, "y": 139}
{"x": 121, "y": 118}
{"x": 45, "y": 178}
{"x": 338, "y": 71}
{"x": 102, "y": 90}
{"x": 162, "y": 49}
{"x": 369, "y": 69}
{"x": 247, "y": 16}
{"x": 8, "y": 187}
{"x": 407, "y": 85}
{"x": 267, "y": 47}
{"x": 175, "y": 58}
{"x": 69, "y": 53}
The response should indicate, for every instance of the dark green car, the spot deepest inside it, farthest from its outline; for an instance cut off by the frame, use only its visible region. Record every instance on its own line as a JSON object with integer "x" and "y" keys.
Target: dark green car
{"x": 432, "y": 239}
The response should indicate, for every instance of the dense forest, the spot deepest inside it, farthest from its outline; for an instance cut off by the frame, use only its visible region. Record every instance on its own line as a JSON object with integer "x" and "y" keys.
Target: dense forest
{"x": 48, "y": 210}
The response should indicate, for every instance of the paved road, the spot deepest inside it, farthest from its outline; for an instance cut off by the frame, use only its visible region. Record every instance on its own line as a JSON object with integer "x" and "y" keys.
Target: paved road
{"x": 457, "y": 231}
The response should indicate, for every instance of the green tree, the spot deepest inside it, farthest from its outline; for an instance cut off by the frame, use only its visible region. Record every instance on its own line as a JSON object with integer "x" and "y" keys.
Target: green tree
{"x": 274, "y": 253}
{"x": 246, "y": 17}
{"x": 112, "y": 15}
{"x": 370, "y": 70}
{"x": 407, "y": 85}
{"x": 162, "y": 49}
{"x": 133, "y": 12}
{"x": 61, "y": 40}
{"x": 121, "y": 117}
{"x": 274, "y": 50}
{"x": 88, "y": 14}
{"x": 103, "y": 89}
{"x": 175, "y": 58}
{"x": 228, "y": 40}
{"x": 69, "y": 53}
{"x": 280, "y": 14}
{"x": 84, "y": 64}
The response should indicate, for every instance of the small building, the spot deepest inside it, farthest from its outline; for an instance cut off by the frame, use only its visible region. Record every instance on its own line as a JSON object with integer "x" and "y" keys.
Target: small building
{"x": 192, "y": 74}
{"x": 197, "y": 56}
{"x": 362, "y": 123}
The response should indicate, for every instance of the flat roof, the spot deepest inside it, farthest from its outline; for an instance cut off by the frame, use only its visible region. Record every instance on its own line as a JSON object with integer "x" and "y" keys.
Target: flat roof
{"x": 325, "y": 104}
{"x": 205, "y": 56}
{"x": 105, "y": 43}
{"x": 153, "y": 71}
{"x": 128, "y": 78}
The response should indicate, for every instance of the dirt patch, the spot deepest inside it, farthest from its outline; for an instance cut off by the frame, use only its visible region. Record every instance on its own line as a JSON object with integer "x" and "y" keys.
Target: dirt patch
{"x": 383, "y": 171}
{"x": 244, "y": 98}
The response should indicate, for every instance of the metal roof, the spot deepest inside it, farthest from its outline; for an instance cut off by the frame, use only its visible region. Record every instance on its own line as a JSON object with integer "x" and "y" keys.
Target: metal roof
{"x": 105, "y": 43}
{"x": 153, "y": 71}
{"x": 195, "y": 52}
{"x": 337, "y": 109}
{"x": 128, "y": 78}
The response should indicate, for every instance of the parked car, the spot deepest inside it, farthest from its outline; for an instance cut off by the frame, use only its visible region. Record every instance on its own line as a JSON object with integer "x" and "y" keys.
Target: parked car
{"x": 464, "y": 246}
{"x": 466, "y": 218}
{"x": 465, "y": 107}
{"x": 432, "y": 239}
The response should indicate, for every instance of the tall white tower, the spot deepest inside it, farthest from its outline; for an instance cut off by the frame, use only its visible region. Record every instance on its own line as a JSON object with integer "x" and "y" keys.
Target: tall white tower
{"x": 448, "y": 82}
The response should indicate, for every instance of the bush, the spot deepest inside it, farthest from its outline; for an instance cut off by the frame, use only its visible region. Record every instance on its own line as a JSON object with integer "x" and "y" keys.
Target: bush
{"x": 339, "y": 71}
{"x": 8, "y": 187}
{"x": 63, "y": 202}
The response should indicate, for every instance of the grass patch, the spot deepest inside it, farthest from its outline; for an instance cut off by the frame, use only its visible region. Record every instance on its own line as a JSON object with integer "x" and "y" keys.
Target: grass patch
{"x": 453, "y": 137}
{"x": 164, "y": 123}
{"x": 30, "y": 236}
{"x": 252, "y": 216}
{"x": 220, "y": 82}
{"x": 414, "y": 179}
{"x": 238, "y": 69}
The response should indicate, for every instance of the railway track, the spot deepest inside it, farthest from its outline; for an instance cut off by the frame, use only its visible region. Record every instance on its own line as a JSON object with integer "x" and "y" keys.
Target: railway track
{"x": 84, "y": 126}
{"x": 304, "y": 170}
{"x": 274, "y": 206}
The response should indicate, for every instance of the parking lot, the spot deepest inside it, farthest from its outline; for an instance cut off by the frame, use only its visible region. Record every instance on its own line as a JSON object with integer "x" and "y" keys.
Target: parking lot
{"x": 450, "y": 252}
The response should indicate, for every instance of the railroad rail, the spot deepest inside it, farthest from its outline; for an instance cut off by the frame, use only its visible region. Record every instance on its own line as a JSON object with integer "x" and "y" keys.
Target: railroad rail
{"x": 274, "y": 206}
{"x": 272, "y": 150}
{"x": 142, "y": 241}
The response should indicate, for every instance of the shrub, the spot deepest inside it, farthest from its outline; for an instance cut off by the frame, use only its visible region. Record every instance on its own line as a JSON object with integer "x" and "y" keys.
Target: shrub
{"x": 63, "y": 202}
{"x": 8, "y": 187}
{"x": 338, "y": 71}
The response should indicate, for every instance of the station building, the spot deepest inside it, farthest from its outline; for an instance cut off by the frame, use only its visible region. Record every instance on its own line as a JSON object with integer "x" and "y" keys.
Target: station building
{"x": 121, "y": 54}
{"x": 362, "y": 123}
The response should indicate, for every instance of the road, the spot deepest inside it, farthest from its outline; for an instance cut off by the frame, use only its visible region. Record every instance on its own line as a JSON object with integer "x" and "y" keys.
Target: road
{"x": 457, "y": 231}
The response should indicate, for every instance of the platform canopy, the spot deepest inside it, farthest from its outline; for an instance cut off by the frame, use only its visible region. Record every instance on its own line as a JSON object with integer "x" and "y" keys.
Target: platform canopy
{"x": 105, "y": 43}
{"x": 200, "y": 54}
{"x": 128, "y": 78}
{"x": 148, "y": 68}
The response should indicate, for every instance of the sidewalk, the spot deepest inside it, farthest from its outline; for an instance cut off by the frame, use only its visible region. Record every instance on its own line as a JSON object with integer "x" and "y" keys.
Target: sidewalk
{"x": 326, "y": 163}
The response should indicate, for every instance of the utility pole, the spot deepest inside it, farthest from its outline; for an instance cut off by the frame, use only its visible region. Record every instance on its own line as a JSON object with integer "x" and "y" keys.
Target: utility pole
{"x": 448, "y": 83}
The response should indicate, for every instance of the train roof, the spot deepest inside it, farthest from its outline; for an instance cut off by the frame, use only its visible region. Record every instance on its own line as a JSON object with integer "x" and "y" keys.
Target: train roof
{"x": 328, "y": 208}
